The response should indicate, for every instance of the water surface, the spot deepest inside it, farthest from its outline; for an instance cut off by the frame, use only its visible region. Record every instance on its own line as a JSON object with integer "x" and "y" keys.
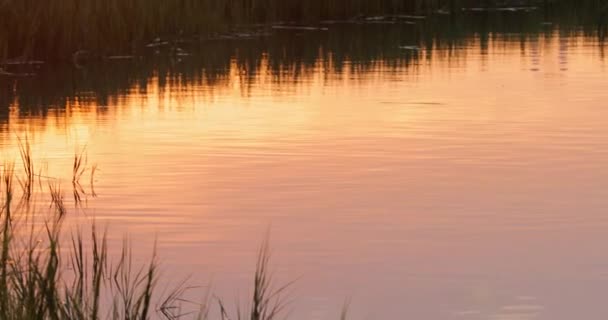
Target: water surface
{"x": 464, "y": 179}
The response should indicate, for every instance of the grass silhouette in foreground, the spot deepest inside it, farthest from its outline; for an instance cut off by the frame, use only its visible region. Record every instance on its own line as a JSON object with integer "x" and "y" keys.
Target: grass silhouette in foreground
{"x": 43, "y": 275}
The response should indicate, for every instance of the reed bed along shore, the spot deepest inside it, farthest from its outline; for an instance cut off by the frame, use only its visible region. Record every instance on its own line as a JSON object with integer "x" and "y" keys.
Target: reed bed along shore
{"x": 50, "y": 272}
{"x": 59, "y": 29}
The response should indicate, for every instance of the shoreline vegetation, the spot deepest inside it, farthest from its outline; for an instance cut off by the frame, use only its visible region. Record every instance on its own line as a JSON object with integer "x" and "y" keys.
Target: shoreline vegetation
{"x": 32, "y": 32}
{"x": 48, "y": 272}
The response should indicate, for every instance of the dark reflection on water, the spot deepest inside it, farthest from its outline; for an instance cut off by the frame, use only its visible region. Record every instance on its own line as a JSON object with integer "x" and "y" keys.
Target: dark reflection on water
{"x": 291, "y": 55}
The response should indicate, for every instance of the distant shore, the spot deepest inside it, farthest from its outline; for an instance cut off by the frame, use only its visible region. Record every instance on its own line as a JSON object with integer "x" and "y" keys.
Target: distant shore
{"x": 76, "y": 29}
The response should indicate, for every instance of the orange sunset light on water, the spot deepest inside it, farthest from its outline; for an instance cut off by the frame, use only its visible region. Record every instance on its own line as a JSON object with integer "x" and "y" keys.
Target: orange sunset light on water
{"x": 436, "y": 174}
{"x": 303, "y": 160}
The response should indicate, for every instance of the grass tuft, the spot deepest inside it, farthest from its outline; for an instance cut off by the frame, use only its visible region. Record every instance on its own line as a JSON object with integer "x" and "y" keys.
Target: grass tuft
{"x": 40, "y": 280}
{"x": 25, "y": 151}
{"x": 79, "y": 165}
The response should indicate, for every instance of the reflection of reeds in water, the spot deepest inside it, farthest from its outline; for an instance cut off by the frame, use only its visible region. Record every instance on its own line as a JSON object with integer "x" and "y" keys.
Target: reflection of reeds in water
{"x": 92, "y": 183}
{"x": 25, "y": 151}
{"x": 39, "y": 279}
{"x": 79, "y": 166}
{"x": 78, "y": 169}
{"x": 28, "y": 178}
{"x": 57, "y": 198}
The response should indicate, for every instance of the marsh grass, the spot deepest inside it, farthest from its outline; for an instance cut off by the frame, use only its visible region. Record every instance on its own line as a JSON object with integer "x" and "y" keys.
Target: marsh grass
{"x": 81, "y": 30}
{"x": 48, "y": 273}
{"x": 268, "y": 302}
{"x": 345, "y": 308}
{"x": 52, "y": 29}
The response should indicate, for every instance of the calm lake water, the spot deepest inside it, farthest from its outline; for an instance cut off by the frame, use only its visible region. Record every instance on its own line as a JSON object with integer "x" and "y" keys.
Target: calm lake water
{"x": 466, "y": 178}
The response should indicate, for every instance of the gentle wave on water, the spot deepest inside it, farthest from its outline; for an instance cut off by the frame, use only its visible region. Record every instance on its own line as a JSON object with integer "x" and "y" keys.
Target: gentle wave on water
{"x": 446, "y": 186}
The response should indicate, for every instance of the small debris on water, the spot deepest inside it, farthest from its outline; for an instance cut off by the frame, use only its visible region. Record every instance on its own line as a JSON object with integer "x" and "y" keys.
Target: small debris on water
{"x": 15, "y": 74}
{"x": 411, "y": 48}
{"x": 501, "y": 9}
{"x": 407, "y": 16}
{"x": 120, "y": 57}
{"x": 22, "y": 62}
{"x": 302, "y": 28}
{"x": 157, "y": 43}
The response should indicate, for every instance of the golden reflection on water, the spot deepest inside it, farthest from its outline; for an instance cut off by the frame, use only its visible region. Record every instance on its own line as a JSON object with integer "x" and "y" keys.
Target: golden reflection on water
{"x": 437, "y": 191}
